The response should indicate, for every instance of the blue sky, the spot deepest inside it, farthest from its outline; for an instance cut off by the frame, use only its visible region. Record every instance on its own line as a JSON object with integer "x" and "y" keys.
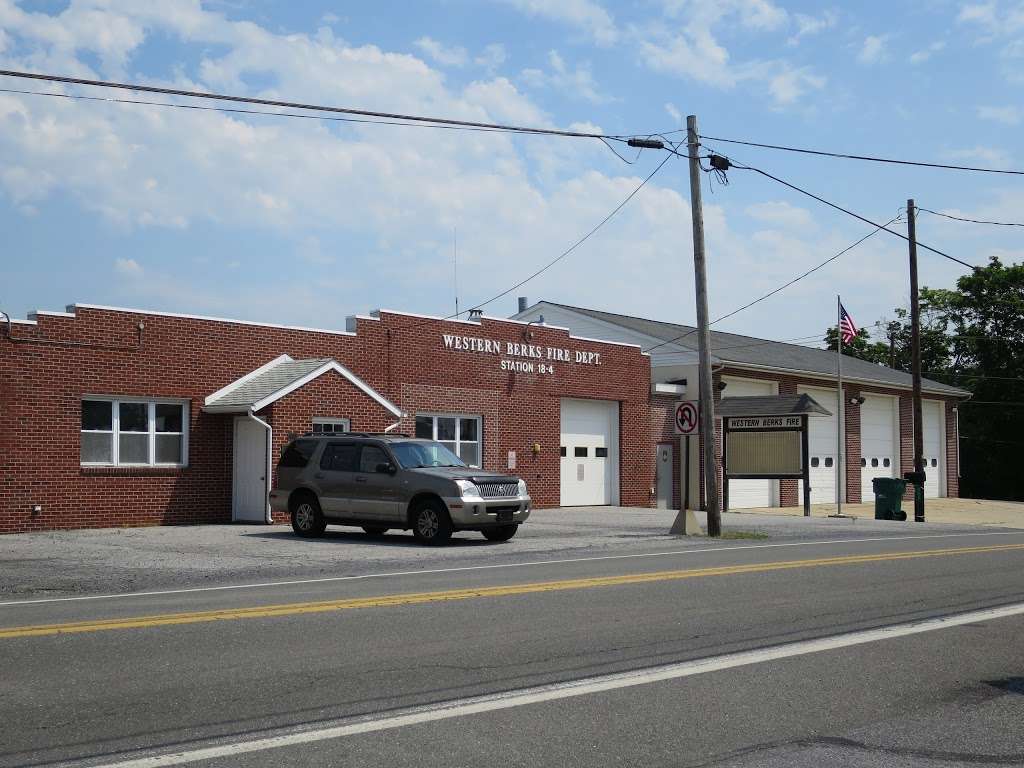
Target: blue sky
{"x": 304, "y": 222}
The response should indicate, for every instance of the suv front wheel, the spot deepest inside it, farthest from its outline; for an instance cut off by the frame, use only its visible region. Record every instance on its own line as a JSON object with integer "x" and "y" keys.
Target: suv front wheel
{"x": 307, "y": 518}
{"x": 430, "y": 523}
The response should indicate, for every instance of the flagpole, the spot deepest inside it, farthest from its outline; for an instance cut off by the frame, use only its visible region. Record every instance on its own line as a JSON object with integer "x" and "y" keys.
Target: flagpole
{"x": 841, "y": 413}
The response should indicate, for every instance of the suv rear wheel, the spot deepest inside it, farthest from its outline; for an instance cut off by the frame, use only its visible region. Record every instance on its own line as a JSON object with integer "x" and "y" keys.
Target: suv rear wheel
{"x": 501, "y": 532}
{"x": 307, "y": 518}
{"x": 430, "y": 523}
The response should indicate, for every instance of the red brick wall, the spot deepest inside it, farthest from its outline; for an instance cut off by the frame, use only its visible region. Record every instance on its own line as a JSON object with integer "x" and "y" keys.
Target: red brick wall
{"x": 402, "y": 357}
{"x": 952, "y": 453}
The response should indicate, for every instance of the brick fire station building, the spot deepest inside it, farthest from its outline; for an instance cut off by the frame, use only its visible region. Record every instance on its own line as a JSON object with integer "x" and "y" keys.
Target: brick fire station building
{"x": 113, "y": 416}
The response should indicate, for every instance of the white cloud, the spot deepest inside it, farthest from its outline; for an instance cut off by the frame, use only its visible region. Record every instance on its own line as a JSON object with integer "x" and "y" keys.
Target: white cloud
{"x": 920, "y": 57}
{"x": 447, "y": 56}
{"x": 812, "y": 25}
{"x": 589, "y": 17}
{"x": 1008, "y": 115}
{"x": 577, "y": 82}
{"x": 674, "y": 113}
{"x": 872, "y": 50}
{"x": 988, "y": 155}
{"x": 128, "y": 268}
{"x": 782, "y": 214}
{"x": 492, "y": 56}
{"x": 685, "y": 45}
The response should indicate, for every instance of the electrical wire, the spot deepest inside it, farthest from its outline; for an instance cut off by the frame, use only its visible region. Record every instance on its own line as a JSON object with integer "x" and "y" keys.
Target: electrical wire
{"x": 848, "y": 212}
{"x": 971, "y": 221}
{"x": 310, "y": 107}
{"x": 870, "y": 158}
{"x": 558, "y": 258}
{"x": 848, "y": 248}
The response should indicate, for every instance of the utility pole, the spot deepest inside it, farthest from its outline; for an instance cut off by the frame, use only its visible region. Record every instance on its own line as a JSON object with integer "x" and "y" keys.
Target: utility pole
{"x": 915, "y": 345}
{"x": 707, "y": 403}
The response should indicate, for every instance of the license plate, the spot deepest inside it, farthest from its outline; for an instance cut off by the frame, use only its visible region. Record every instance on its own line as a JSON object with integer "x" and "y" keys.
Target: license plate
{"x": 505, "y": 517}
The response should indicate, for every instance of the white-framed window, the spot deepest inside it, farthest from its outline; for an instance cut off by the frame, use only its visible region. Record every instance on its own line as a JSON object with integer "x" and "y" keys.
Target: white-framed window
{"x": 327, "y": 426}
{"x": 134, "y": 432}
{"x": 460, "y": 433}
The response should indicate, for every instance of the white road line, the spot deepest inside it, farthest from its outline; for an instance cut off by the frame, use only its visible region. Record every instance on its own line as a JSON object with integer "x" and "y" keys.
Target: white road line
{"x": 585, "y": 686}
{"x": 392, "y": 574}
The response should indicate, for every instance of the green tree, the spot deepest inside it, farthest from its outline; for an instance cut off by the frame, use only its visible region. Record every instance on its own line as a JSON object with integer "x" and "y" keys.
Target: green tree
{"x": 972, "y": 337}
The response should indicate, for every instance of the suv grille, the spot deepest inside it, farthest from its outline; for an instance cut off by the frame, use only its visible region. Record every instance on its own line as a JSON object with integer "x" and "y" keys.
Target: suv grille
{"x": 501, "y": 490}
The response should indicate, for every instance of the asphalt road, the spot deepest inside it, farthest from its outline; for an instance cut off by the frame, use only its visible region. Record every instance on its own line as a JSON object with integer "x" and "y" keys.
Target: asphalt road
{"x": 623, "y": 657}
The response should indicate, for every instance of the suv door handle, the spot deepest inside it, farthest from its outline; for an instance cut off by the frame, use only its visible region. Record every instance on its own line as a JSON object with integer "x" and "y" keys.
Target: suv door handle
{"x": 319, "y": 475}
{"x": 360, "y": 479}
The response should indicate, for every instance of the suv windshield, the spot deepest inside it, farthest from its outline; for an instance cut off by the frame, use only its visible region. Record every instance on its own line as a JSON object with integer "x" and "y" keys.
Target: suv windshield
{"x": 425, "y": 454}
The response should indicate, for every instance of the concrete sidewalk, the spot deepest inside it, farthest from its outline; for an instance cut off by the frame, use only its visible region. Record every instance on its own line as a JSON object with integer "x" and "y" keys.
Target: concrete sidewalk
{"x": 1005, "y": 514}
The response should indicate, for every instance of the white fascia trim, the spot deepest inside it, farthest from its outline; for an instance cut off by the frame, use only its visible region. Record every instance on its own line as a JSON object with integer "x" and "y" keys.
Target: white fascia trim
{"x": 251, "y": 375}
{"x": 45, "y": 313}
{"x": 23, "y": 322}
{"x": 330, "y": 365}
{"x": 825, "y": 377}
{"x": 425, "y": 317}
{"x": 208, "y": 318}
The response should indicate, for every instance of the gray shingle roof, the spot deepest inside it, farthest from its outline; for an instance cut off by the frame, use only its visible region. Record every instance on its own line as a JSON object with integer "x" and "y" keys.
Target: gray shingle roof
{"x": 762, "y": 353}
{"x": 267, "y": 383}
{"x": 770, "y": 405}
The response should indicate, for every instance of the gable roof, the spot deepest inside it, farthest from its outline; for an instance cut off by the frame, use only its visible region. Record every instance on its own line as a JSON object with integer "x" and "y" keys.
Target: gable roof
{"x": 282, "y": 375}
{"x": 751, "y": 352}
{"x": 770, "y": 405}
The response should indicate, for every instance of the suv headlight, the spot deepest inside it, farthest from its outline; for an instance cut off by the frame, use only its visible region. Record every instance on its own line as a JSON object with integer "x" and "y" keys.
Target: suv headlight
{"x": 522, "y": 488}
{"x": 467, "y": 489}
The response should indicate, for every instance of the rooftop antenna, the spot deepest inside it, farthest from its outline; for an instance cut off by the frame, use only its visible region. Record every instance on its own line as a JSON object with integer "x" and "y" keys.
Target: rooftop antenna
{"x": 455, "y": 265}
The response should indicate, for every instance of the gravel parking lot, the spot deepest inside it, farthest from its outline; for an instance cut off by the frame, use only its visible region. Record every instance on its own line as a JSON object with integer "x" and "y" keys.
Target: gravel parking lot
{"x": 115, "y": 560}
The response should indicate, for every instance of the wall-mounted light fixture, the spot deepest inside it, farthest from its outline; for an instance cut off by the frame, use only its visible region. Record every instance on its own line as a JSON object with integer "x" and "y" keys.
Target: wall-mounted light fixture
{"x": 858, "y": 400}
{"x": 535, "y": 448}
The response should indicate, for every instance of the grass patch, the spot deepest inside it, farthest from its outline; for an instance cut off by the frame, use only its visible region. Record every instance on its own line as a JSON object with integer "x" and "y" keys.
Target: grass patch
{"x": 744, "y": 535}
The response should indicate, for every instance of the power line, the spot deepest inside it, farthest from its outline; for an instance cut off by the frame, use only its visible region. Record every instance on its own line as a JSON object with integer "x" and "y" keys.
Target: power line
{"x": 236, "y": 110}
{"x": 561, "y": 256}
{"x": 310, "y": 107}
{"x": 971, "y": 221}
{"x": 848, "y": 212}
{"x": 870, "y": 158}
{"x": 787, "y": 285}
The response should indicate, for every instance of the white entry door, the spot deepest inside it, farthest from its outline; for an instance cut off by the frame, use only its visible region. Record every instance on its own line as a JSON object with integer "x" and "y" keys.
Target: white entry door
{"x": 821, "y": 440}
{"x": 744, "y": 494}
{"x": 249, "y": 501}
{"x": 934, "y": 456}
{"x": 879, "y": 441}
{"x": 590, "y": 452}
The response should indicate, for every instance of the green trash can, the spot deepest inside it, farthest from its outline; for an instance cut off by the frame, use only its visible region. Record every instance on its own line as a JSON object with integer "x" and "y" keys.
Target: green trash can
{"x": 889, "y": 498}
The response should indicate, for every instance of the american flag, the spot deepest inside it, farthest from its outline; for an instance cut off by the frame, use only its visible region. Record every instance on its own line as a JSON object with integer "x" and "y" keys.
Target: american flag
{"x": 847, "y": 327}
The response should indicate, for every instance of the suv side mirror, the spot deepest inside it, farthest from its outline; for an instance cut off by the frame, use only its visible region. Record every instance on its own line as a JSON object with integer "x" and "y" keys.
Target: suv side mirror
{"x": 387, "y": 468}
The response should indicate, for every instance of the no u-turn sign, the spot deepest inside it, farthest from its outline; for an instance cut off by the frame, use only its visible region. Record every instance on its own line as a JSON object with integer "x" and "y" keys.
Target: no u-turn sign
{"x": 687, "y": 418}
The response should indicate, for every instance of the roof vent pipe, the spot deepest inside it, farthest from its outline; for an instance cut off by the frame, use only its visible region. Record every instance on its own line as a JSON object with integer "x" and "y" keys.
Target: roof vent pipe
{"x": 523, "y": 302}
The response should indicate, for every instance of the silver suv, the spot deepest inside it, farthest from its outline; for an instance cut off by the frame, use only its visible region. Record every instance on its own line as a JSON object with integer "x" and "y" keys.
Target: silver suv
{"x": 379, "y": 482}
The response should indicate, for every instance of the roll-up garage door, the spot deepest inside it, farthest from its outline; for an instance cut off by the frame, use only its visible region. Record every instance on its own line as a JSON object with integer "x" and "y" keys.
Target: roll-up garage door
{"x": 934, "y": 456}
{"x": 744, "y": 494}
{"x": 590, "y": 452}
{"x": 879, "y": 446}
{"x": 822, "y": 446}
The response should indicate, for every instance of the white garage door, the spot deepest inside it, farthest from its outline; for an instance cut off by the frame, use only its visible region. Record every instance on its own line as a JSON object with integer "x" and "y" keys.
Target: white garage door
{"x": 934, "y": 456}
{"x": 744, "y": 494}
{"x": 878, "y": 441}
{"x": 822, "y": 445}
{"x": 590, "y": 452}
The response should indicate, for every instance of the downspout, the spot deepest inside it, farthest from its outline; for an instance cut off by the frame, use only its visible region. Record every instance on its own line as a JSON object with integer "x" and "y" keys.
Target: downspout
{"x": 268, "y": 469}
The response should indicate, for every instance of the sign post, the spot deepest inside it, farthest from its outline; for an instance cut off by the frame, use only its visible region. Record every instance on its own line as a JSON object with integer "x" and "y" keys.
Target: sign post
{"x": 687, "y": 423}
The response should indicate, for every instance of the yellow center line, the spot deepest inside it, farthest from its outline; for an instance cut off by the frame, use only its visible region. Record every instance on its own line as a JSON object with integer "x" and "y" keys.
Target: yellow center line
{"x": 385, "y": 601}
